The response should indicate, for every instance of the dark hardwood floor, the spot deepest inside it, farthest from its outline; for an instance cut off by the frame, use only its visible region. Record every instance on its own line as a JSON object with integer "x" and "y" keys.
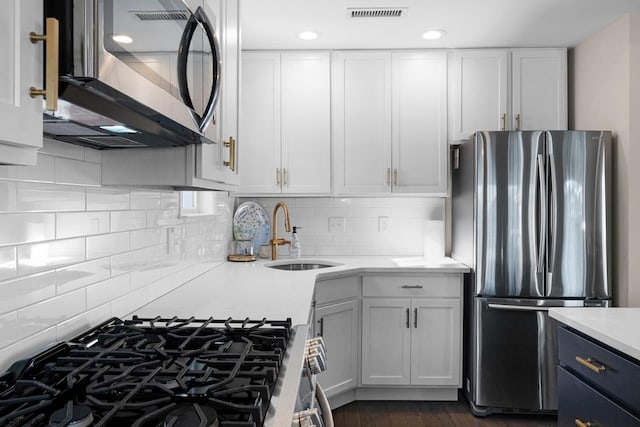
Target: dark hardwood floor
{"x": 432, "y": 414}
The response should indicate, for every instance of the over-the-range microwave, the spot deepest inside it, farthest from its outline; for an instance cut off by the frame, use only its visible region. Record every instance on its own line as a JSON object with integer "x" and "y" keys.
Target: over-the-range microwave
{"x": 135, "y": 73}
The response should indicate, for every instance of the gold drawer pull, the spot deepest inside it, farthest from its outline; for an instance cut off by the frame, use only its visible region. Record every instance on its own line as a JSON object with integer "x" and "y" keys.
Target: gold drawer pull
{"x": 589, "y": 363}
{"x": 581, "y": 423}
{"x": 51, "y": 39}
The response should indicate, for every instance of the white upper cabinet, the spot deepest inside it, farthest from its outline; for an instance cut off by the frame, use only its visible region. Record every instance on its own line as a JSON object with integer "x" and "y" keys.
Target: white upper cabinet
{"x": 390, "y": 122}
{"x": 539, "y": 87}
{"x": 20, "y": 68}
{"x": 496, "y": 89}
{"x": 419, "y": 122}
{"x": 285, "y": 123}
{"x": 480, "y": 83}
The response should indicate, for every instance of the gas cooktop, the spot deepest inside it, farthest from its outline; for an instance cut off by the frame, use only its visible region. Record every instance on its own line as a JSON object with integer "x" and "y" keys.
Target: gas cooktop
{"x": 150, "y": 372}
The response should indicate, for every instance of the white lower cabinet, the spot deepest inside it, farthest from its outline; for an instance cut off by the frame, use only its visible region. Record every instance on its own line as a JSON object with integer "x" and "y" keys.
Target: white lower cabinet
{"x": 338, "y": 323}
{"x": 416, "y": 339}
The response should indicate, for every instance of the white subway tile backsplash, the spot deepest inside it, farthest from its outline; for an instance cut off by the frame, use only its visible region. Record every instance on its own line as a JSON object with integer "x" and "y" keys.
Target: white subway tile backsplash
{"x": 128, "y": 220}
{"x": 49, "y": 197}
{"x": 47, "y": 256}
{"x": 148, "y": 237}
{"x": 8, "y": 328}
{"x": 107, "y": 244}
{"x": 108, "y": 290}
{"x": 26, "y": 347}
{"x": 107, "y": 199}
{"x": 8, "y": 263}
{"x": 61, "y": 149}
{"x": 83, "y": 321}
{"x": 25, "y": 228}
{"x": 81, "y": 224}
{"x": 7, "y": 196}
{"x": 141, "y": 199}
{"x": 42, "y": 172}
{"x": 81, "y": 275}
{"x": 25, "y": 291}
{"x": 69, "y": 248}
{"x": 70, "y": 171}
{"x": 40, "y": 316}
{"x": 128, "y": 261}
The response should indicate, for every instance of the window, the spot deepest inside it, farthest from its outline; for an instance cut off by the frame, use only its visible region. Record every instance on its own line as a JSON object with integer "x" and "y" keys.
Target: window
{"x": 195, "y": 203}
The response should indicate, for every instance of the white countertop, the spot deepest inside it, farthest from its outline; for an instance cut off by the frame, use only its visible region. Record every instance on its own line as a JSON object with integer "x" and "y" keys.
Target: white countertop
{"x": 251, "y": 289}
{"x": 615, "y": 326}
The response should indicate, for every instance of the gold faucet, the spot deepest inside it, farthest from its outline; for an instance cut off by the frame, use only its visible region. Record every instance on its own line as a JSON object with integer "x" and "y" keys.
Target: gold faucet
{"x": 275, "y": 241}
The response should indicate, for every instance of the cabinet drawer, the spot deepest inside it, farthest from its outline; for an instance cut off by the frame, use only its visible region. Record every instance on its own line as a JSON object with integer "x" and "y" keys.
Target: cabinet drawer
{"x": 620, "y": 376}
{"x": 579, "y": 401}
{"x": 442, "y": 285}
{"x": 337, "y": 289}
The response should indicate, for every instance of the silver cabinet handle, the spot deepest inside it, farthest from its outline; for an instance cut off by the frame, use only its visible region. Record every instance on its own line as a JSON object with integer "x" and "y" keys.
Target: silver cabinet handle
{"x": 407, "y": 323}
{"x": 321, "y": 322}
{"x": 412, "y": 286}
{"x": 415, "y": 318}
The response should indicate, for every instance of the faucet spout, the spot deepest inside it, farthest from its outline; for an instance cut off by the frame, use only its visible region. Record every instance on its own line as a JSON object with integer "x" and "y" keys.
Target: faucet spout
{"x": 275, "y": 241}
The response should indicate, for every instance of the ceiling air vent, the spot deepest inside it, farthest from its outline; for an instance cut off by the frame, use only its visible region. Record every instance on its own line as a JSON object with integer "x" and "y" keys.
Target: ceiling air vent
{"x": 376, "y": 12}
{"x": 161, "y": 15}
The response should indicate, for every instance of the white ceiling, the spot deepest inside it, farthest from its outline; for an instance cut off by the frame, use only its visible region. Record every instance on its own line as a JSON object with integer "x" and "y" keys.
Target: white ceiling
{"x": 274, "y": 24}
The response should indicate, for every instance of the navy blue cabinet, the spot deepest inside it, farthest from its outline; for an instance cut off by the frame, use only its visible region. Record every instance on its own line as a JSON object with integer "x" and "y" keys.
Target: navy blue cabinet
{"x": 597, "y": 385}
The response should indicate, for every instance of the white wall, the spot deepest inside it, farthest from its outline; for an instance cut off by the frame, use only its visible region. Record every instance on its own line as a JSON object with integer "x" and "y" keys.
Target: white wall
{"x": 412, "y": 223}
{"x": 73, "y": 253}
{"x": 606, "y": 95}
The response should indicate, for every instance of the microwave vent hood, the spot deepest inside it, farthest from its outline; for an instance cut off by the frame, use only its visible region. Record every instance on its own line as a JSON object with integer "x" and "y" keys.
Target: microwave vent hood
{"x": 95, "y": 115}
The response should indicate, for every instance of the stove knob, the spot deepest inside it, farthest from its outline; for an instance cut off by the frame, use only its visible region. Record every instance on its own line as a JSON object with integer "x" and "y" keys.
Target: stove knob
{"x": 317, "y": 341}
{"x": 308, "y": 418}
{"x": 316, "y": 362}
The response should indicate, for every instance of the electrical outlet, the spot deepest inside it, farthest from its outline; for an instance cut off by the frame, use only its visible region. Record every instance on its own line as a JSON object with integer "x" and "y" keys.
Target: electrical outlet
{"x": 383, "y": 223}
{"x": 336, "y": 224}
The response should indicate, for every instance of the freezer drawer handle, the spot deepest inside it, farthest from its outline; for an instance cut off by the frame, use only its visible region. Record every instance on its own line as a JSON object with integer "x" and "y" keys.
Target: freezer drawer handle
{"x": 412, "y": 286}
{"x": 589, "y": 363}
{"x": 518, "y": 307}
{"x": 581, "y": 423}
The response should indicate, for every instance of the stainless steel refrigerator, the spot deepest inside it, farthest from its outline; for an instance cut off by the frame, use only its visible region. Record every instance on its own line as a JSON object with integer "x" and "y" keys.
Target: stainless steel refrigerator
{"x": 531, "y": 216}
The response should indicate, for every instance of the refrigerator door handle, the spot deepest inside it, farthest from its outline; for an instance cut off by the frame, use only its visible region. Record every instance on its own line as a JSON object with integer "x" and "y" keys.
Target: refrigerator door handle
{"x": 517, "y": 307}
{"x": 542, "y": 234}
{"x": 554, "y": 213}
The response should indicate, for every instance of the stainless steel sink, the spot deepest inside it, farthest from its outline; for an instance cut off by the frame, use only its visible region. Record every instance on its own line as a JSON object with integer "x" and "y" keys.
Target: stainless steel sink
{"x": 301, "y": 265}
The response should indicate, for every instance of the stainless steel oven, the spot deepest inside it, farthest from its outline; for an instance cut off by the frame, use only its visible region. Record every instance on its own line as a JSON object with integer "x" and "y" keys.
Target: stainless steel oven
{"x": 136, "y": 73}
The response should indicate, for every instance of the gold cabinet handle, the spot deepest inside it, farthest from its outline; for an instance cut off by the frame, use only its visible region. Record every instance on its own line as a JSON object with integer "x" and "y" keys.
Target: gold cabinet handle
{"x": 504, "y": 121}
{"x": 284, "y": 177}
{"x": 395, "y": 177}
{"x": 518, "y": 121}
{"x": 51, "y": 39}
{"x": 589, "y": 363}
{"x": 278, "y": 177}
{"x": 581, "y": 423}
{"x": 388, "y": 176}
{"x": 231, "y": 145}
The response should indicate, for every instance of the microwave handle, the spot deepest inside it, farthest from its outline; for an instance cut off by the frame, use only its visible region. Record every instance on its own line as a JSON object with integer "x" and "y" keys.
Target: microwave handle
{"x": 198, "y": 17}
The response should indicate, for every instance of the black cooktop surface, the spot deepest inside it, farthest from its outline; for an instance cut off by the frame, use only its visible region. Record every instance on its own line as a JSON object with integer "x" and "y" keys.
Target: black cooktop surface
{"x": 150, "y": 372}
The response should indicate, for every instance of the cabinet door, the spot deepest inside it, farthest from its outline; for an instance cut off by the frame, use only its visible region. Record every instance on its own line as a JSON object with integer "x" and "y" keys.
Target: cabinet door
{"x": 419, "y": 112}
{"x": 362, "y": 122}
{"x": 436, "y": 342}
{"x": 260, "y": 123}
{"x": 386, "y": 345}
{"x": 211, "y": 158}
{"x": 480, "y": 85}
{"x": 338, "y": 325}
{"x": 539, "y": 89}
{"x": 20, "y": 69}
{"x": 306, "y": 122}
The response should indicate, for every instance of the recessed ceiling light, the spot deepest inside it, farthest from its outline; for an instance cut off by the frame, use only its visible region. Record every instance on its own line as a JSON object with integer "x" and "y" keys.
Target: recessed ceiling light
{"x": 433, "y": 34}
{"x": 122, "y": 38}
{"x": 309, "y": 35}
